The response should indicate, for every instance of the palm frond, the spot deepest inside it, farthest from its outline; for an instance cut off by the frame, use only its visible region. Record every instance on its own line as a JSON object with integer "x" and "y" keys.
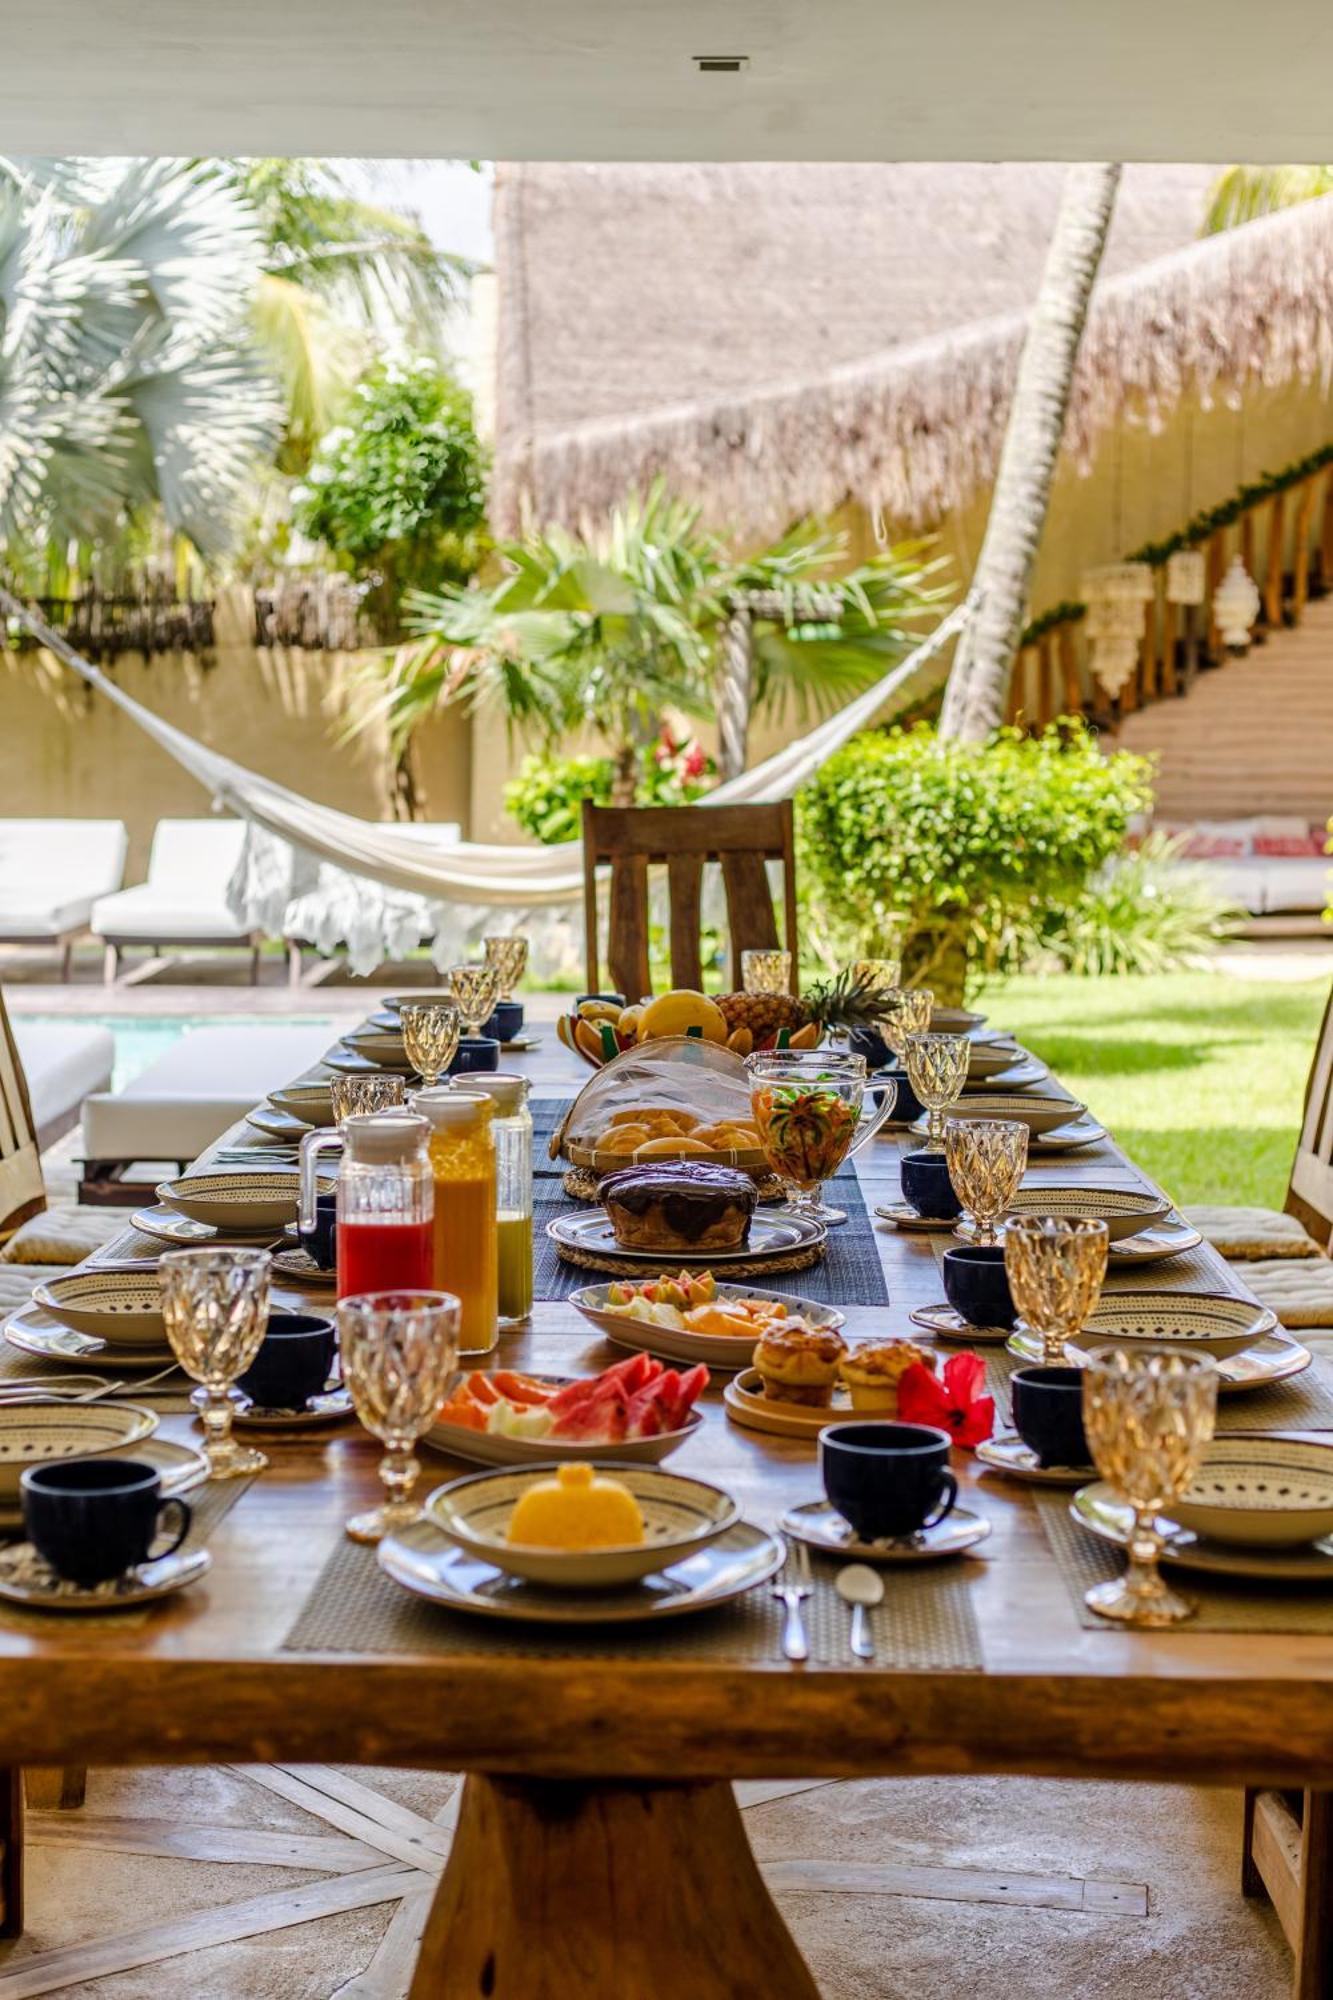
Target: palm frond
{"x": 1244, "y": 193}
{"x": 314, "y": 357}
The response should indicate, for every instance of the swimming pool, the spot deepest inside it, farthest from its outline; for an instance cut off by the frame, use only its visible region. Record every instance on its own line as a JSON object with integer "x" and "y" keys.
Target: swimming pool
{"x": 140, "y": 1041}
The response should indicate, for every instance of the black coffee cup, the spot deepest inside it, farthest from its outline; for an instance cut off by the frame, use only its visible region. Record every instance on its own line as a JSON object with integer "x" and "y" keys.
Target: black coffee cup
{"x": 1047, "y": 1405}
{"x": 95, "y": 1518}
{"x": 475, "y": 1052}
{"x": 869, "y": 1042}
{"x": 977, "y": 1285}
{"x": 321, "y": 1243}
{"x": 887, "y": 1480}
{"x": 294, "y": 1362}
{"x": 506, "y": 1021}
{"x": 927, "y": 1187}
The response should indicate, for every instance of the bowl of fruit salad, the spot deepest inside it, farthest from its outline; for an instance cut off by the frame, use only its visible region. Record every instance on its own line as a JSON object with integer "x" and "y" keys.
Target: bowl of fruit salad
{"x": 637, "y": 1411}
{"x": 694, "y": 1318}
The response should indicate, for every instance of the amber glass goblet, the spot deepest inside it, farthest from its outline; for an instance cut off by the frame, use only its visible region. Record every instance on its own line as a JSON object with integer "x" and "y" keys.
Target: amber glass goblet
{"x": 399, "y": 1351}
{"x": 1148, "y": 1418}
{"x": 475, "y": 988}
{"x": 215, "y": 1309}
{"x": 937, "y": 1070}
{"x": 357, "y": 1096}
{"x": 986, "y": 1159}
{"x": 508, "y": 960}
{"x": 905, "y": 1010}
{"x": 879, "y": 974}
{"x": 430, "y": 1037}
{"x": 1055, "y": 1266}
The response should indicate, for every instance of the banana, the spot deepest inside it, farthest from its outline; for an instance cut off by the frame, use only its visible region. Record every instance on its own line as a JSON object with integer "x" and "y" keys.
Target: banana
{"x": 599, "y": 1010}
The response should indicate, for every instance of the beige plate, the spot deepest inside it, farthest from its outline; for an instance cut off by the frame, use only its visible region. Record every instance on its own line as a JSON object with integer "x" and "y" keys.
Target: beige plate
{"x": 1272, "y": 1358}
{"x": 307, "y": 1103}
{"x": 946, "y": 1324}
{"x": 25, "y": 1579}
{"x": 681, "y": 1343}
{"x": 823, "y": 1528}
{"x": 1070, "y": 1138}
{"x": 238, "y": 1202}
{"x": 747, "y": 1404}
{"x": 275, "y": 1124}
{"x": 1007, "y": 1453}
{"x": 1096, "y": 1508}
{"x": 180, "y": 1232}
{"x": 1020, "y": 1073}
{"x": 352, "y": 1062}
{"x": 955, "y": 1020}
{"x": 1205, "y": 1322}
{"x": 39, "y": 1433}
{"x": 34, "y": 1332}
{"x": 124, "y": 1308}
{"x": 493, "y": 1448}
{"x": 1039, "y": 1110}
{"x": 680, "y": 1515}
{"x": 1153, "y": 1246}
{"x": 1260, "y": 1492}
{"x": 423, "y": 1560}
{"x": 1125, "y": 1211}
{"x": 182, "y": 1469}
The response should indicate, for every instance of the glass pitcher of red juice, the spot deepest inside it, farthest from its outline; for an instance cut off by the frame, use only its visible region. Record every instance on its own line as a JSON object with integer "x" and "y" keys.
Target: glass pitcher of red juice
{"x": 385, "y": 1201}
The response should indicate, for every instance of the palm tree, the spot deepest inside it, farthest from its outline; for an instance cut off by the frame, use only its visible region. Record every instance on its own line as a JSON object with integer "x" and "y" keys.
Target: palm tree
{"x": 607, "y": 631}
{"x": 1244, "y": 193}
{"x": 983, "y": 665}
{"x": 127, "y": 370}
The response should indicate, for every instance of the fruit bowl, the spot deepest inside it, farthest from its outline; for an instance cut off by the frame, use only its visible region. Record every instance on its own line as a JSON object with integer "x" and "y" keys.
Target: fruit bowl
{"x": 599, "y": 1029}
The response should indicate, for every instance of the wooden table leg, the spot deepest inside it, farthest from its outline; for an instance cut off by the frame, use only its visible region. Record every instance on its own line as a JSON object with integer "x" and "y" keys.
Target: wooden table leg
{"x": 1313, "y": 1942}
{"x": 556, "y": 1891}
{"x": 11, "y": 1852}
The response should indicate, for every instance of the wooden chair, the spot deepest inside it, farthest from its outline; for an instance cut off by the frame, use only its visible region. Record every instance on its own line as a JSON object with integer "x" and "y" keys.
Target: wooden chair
{"x": 22, "y": 1192}
{"x": 681, "y": 839}
{"x": 1310, "y": 1188}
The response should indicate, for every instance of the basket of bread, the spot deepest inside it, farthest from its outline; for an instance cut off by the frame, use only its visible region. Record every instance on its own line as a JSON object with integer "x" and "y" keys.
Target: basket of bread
{"x": 675, "y": 1098}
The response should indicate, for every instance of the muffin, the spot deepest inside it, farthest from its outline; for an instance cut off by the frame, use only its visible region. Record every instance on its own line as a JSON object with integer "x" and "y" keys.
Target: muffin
{"x": 799, "y": 1363}
{"x": 872, "y": 1373}
{"x": 679, "y": 1206}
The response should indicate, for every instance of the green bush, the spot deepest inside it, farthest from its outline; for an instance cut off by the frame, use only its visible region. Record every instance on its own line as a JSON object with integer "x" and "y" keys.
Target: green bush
{"x": 546, "y": 798}
{"x": 1141, "y": 913}
{"x": 957, "y": 855}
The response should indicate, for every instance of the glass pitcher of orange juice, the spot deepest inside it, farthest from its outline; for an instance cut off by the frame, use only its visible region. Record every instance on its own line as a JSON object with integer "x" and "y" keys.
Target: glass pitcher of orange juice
{"x": 462, "y": 1162}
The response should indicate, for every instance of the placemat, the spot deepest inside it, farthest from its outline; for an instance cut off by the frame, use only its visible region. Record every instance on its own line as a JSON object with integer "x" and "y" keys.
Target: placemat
{"x": 1083, "y": 1559}
{"x": 1303, "y": 1403}
{"x": 174, "y": 1395}
{"x": 926, "y": 1623}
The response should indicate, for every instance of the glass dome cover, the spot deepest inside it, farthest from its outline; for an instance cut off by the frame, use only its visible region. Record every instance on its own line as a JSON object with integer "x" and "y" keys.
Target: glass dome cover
{"x": 675, "y": 1097}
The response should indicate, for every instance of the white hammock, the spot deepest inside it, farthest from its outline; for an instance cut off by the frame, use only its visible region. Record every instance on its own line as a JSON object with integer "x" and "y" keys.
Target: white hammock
{"x": 291, "y": 835}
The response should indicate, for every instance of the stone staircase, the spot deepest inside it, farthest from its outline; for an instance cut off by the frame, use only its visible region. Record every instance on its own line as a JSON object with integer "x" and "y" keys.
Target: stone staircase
{"x": 1254, "y": 735}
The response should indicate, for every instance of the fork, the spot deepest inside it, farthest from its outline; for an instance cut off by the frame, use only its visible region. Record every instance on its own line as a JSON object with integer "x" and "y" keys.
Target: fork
{"x": 37, "y": 1391}
{"x": 791, "y": 1591}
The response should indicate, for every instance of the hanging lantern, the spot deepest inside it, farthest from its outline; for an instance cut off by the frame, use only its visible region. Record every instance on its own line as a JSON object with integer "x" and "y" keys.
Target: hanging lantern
{"x": 1236, "y": 606}
{"x": 1186, "y": 577}
{"x": 1114, "y": 658}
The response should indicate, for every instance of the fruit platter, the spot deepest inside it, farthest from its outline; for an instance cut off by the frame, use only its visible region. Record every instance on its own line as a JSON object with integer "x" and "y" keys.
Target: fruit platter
{"x": 693, "y": 1318}
{"x": 601, "y": 1029}
{"x": 675, "y": 1098}
{"x": 638, "y": 1410}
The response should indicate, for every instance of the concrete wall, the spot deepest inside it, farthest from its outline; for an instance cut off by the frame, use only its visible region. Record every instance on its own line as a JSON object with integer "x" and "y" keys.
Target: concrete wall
{"x": 65, "y": 752}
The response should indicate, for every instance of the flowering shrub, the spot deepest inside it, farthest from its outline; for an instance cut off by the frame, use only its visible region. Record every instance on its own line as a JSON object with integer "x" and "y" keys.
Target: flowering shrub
{"x": 546, "y": 798}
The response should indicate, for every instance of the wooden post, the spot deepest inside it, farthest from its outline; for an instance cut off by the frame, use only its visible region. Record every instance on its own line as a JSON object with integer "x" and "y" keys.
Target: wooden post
{"x": 1272, "y": 592}
{"x": 1170, "y": 680}
{"x": 1070, "y": 678}
{"x": 1300, "y": 583}
{"x": 1216, "y": 570}
{"x": 1148, "y": 683}
{"x": 1326, "y": 534}
{"x": 1048, "y": 684}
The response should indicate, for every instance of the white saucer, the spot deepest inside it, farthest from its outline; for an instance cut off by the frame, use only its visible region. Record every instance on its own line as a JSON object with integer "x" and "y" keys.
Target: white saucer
{"x": 300, "y": 1267}
{"x": 1170, "y": 1238}
{"x": 904, "y": 1216}
{"x": 1097, "y": 1508}
{"x": 26, "y": 1579}
{"x": 1007, "y": 1453}
{"x": 1081, "y": 1131}
{"x": 330, "y": 1408}
{"x": 816, "y": 1523}
{"x": 946, "y": 1324}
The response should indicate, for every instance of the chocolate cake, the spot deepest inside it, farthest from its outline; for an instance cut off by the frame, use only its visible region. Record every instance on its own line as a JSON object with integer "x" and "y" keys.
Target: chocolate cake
{"x": 679, "y": 1206}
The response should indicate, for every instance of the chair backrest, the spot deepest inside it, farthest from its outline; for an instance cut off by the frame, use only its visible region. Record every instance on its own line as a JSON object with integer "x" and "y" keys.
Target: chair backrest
{"x": 741, "y": 839}
{"x": 67, "y": 857}
{"x": 22, "y": 1191}
{"x": 198, "y": 854}
{"x": 1310, "y": 1190}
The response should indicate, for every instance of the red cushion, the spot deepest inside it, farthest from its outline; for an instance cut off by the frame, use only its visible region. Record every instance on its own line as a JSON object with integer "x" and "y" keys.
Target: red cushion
{"x": 1215, "y": 847}
{"x": 1289, "y": 847}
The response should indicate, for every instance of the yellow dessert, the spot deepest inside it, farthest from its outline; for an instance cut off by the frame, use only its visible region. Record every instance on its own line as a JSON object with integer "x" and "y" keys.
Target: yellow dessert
{"x": 872, "y": 1373}
{"x": 576, "y": 1510}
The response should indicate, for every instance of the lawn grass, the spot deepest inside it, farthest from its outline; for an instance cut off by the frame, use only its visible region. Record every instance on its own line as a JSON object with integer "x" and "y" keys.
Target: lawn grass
{"x": 1200, "y": 1076}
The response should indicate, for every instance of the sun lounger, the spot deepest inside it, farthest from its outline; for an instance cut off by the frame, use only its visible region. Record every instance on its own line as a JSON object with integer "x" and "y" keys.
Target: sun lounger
{"x": 63, "y": 1061}
{"x": 188, "y": 1098}
{"x": 184, "y": 900}
{"x": 51, "y": 873}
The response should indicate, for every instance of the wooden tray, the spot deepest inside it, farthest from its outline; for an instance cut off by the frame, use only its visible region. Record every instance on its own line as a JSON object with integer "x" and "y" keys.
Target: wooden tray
{"x": 746, "y": 1404}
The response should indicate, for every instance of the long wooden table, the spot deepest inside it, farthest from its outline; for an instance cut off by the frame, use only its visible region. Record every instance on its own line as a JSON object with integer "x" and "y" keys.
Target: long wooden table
{"x": 599, "y": 1847}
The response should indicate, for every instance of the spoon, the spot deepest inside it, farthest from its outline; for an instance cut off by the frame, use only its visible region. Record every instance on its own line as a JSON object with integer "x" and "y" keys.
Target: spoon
{"x": 862, "y": 1588}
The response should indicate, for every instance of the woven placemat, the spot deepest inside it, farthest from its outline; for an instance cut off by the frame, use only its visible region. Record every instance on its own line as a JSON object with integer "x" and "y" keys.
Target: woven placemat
{"x": 1083, "y": 1559}
{"x": 926, "y": 1623}
{"x": 1303, "y": 1403}
{"x": 171, "y": 1396}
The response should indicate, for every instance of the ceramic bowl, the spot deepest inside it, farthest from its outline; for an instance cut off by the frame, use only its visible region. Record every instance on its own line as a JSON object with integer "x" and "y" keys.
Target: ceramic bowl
{"x": 1206, "y": 1323}
{"x": 379, "y": 1045}
{"x": 954, "y": 1020}
{"x": 238, "y": 1202}
{"x": 680, "y": 1516}
{"x": 1261, "y": 1492}
{"x": 310, "y": 1102}
{"x": 1039, "y": 1110}
{"x": 989, "y": 1058}
{"x": 124, "y": 1308}
{"x": 1125, "y": 1211}
{"x": 39, "y": 1433}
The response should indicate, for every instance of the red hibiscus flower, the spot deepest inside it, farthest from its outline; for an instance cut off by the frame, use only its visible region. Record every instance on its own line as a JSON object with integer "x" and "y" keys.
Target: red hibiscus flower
{"x": 952, "y": 1403}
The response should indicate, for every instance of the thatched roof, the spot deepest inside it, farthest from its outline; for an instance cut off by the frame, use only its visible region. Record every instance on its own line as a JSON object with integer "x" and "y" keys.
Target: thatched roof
{"x": 707, "y": 324}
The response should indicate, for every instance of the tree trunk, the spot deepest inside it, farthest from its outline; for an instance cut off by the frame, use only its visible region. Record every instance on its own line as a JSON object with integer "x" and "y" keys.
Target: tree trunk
{"x": 978, "y": 685}
{"x": 625, "y": 783}
{"x": 735, "y": 692}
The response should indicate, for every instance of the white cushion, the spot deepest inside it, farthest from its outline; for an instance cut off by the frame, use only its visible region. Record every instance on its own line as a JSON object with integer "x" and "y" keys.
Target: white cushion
{"x": 18, "y": 1283}
{"x": 63, "y": 1061}
{"x": 62, "y": 1234}
{"x": 51, "y": 871}
{"x": 166, "y": 915}
{"x": 1296, "y": 883}
{"x": 1245, "y": 1233}
{"x": 1242, "y": 881}
{"x": 1300, "y": 1293}
{"x": 196, "y": 854}
{"x": 204, "y": 1083}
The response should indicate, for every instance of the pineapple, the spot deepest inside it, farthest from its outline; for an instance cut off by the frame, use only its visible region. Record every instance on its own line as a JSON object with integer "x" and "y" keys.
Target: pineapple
{"x": 832, "y": 1004}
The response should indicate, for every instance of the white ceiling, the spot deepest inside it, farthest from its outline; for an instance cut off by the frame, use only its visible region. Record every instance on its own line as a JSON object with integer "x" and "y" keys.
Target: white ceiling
{"x": 613, "y": 79}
